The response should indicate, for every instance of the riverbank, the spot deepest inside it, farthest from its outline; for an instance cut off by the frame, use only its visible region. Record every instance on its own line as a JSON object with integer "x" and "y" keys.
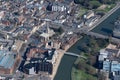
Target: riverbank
{"x": 55, "y": 67}
{"x": 60, "y": 56}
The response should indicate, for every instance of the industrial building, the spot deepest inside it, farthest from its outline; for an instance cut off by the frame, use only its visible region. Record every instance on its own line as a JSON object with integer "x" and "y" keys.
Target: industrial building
{"x": 8, "y": 62}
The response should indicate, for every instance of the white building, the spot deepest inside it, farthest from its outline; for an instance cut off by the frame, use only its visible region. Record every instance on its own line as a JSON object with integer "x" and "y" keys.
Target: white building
{"x": 91, "y": 21}
{"x": 89, "y": 14}
{"x": 32, "y": 71}
{"x": 2, "y": 13}
{"x": 53, "y": 57}
{"x": 103, "y": 55}
{"x": 58, "y": 8}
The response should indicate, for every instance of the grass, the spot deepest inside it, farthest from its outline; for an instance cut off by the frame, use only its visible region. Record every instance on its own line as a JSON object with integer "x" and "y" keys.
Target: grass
{"x": 81, "y": 75}
{"x": 82, "y": 11}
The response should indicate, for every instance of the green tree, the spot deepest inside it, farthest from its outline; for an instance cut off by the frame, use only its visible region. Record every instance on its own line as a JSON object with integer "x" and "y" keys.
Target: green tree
{"x": 60, "y": 30}
{"x": 94, "y": 4}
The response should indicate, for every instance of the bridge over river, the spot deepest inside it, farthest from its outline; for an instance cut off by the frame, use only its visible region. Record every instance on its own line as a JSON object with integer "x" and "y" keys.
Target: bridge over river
{"x": 74, "y": 54}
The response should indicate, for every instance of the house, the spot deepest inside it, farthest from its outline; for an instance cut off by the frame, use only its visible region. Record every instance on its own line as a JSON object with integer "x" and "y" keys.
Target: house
{"x": 106, "y": 65}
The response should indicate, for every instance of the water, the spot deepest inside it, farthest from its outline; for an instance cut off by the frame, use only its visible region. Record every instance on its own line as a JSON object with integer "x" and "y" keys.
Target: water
{"x": 107, "y": 26}
{"x": 64, "y": 70}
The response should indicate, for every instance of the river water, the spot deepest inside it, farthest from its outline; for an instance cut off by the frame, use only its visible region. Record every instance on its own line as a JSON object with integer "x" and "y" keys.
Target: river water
{"x": 107, "y": 26}
{"x": 65, "y": 67}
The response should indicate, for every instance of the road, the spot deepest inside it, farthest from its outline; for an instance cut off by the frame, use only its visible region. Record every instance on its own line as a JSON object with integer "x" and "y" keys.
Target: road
{"x": 97, "y": 35}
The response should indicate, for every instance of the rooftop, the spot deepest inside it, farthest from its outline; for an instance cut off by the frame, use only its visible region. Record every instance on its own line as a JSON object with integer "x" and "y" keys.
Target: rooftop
{"x": 7, "y": 59}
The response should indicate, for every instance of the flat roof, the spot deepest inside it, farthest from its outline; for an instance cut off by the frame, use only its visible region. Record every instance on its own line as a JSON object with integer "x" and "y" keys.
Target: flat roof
{"x": 7, "y": 59}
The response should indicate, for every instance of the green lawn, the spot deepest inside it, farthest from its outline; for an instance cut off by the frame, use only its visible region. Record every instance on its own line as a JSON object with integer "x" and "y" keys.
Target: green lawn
{"x": 82, "y": 11}
{"x": 81, "y": 75}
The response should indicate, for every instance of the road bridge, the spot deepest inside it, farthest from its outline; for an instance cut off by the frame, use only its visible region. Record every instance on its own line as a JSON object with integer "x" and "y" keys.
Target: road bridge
{"x": 97, "y": 35}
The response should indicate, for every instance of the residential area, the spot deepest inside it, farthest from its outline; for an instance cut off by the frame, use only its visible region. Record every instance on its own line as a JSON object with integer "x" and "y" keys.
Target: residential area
{"x": 35, "y": 35}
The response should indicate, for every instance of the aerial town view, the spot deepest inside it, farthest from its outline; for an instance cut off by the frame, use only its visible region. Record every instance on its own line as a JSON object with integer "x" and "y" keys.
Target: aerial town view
{"x": 59, "y": 39}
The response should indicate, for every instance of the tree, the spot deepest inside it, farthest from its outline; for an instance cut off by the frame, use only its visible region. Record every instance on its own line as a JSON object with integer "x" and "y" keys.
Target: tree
{"x": 81, "y": 65}
{"x": 60, "y": 30}
{"x": 108, "y": 1}
{"x": 94, "y": 4}
{"x": 79, "y": 1}
{"x": 91, "y": 60}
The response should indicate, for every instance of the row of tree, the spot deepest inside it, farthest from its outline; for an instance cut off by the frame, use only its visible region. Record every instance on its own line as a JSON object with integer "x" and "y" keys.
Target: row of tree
{"x": 93, "y": 4}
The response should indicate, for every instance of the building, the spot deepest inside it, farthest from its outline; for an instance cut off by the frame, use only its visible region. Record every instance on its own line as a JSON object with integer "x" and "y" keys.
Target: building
{"x": 47, "y": 34}
{"x": 49, "y": 55}
{"x": 103, "y": 55}
{"x": 40, "y": 60}
{"x": 109, "y": 61}
{"x": 116, "y": 31}
{"x": 81, "y": 24}
{"x": 17, "y": 46}
{"x": 38, "y": 67}
{"x": 8, "y": 61}
{"x": 89, "y": 22}
{"x": 116, "y": 75}
{"x": 56, "y": 7}
{"x": 2, "y": 13}
{"x": 89, "y": 14}
{"x": 52, "y": 56}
